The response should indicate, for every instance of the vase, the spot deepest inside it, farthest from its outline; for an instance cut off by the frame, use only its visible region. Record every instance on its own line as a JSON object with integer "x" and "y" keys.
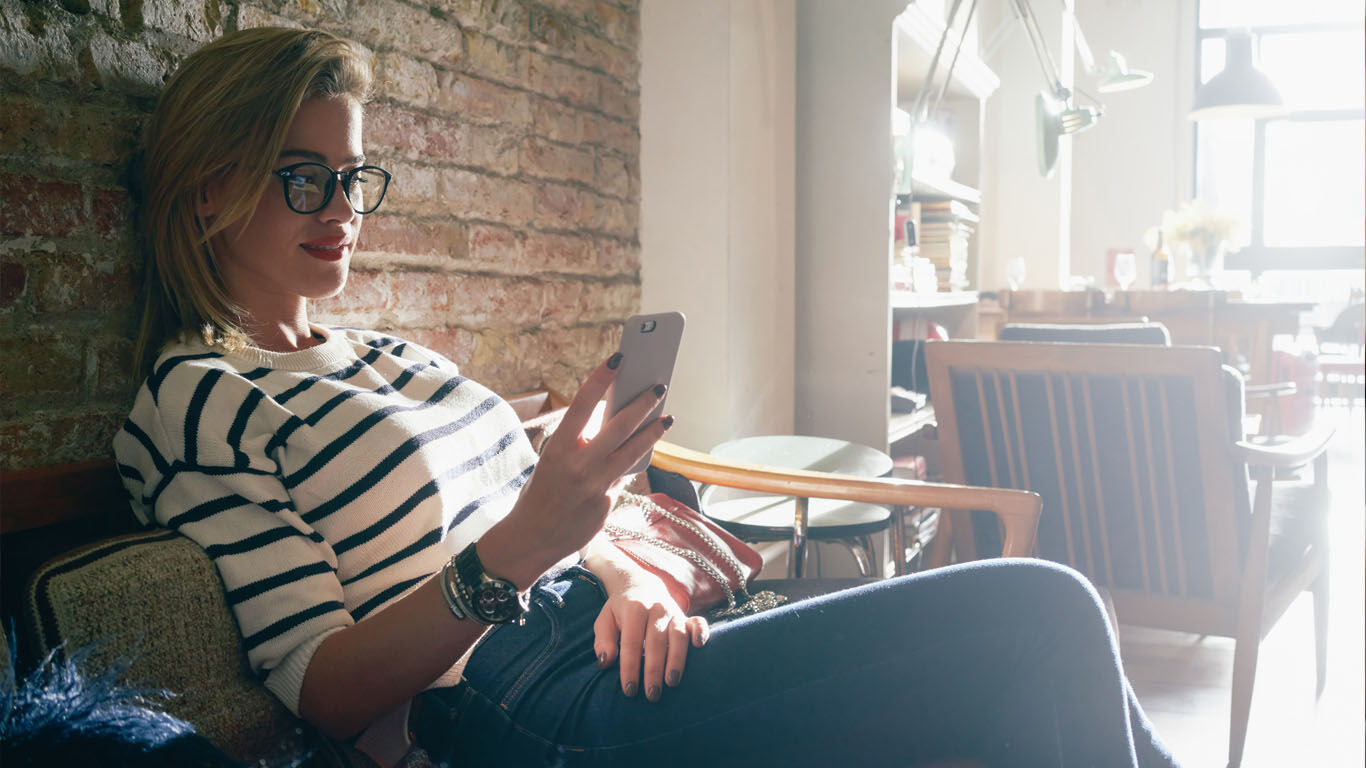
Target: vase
{"x": 1202, "y": 264}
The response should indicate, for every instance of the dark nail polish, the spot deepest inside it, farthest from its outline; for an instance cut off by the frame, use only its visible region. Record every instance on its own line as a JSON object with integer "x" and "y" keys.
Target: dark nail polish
{"x": 653, "y": 693}
{"x": 630, "y": 689}
{"x": 660, "y": 389}
{"x": 602, "y": 661}
{"x": 675, "y": 676}
{"x": 614, "y": 360}
{"x": 668, "y": 421}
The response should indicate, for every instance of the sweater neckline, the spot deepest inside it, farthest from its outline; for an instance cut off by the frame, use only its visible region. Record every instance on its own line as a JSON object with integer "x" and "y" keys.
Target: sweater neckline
{"x": 333, "y": 350}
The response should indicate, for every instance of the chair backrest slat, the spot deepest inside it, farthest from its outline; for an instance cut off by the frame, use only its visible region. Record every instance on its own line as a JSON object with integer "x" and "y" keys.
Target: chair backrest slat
{"x": 1127, "y": 445}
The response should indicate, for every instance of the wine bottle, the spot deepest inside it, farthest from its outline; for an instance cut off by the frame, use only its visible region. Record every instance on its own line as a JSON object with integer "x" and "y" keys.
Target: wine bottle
{"x": 1161, "y": 266}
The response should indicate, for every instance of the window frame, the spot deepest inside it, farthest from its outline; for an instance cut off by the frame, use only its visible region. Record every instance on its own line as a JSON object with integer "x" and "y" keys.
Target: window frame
{"x": 1257, "y": 256}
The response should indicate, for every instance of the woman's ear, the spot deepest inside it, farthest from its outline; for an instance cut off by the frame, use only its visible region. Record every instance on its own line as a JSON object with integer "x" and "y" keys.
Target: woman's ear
{"x": 205, "y": 204}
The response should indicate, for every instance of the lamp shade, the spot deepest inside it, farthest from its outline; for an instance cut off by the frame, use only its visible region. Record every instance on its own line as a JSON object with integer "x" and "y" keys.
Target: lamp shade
{"x": 1241, "y": 90}
{"x": 1118, "y": 77}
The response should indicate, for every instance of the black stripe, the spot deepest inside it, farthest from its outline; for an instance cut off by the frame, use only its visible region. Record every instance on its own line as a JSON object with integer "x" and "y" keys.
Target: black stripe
{"x": 239, "y": 425}
{"x": 257, "y": 541}
{"x": 342, "y": 375}
{"x": 178, "y": 466}
{"x": 159, "y": 375}
{"x": 290, "y": 622}
{"x": 282, "y": 435}
{"x": 399, "y": 350}
{"x": 322, "y": 457}
{"x": 261, "y": 586}
{"x": 384, "y": 597}
{"x": 131, "y": 473}
{"x": 384, "y": 389}
{"x": 512, "y": 485}
{"x": 382, "y": 341}
{"x": 195, "y": 410}
{"x": 49, "y": 637}
{"x": 428, "y": 539}
{"x": 402, "y": 452}
{"x": 207, "y": 509}
{"x": 257, "y": 373}
{"x": 136, "y": 431}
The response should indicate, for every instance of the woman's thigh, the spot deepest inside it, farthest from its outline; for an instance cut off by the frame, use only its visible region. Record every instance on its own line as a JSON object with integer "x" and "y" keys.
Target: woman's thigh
{"x": 982, "y": 660}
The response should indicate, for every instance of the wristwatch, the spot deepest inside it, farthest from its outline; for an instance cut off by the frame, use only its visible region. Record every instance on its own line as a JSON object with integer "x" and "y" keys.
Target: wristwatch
{"x": 490, "y": 600}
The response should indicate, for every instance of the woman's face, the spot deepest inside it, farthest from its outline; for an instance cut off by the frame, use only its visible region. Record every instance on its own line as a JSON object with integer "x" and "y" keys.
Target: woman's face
{"x": 276, "y": 259}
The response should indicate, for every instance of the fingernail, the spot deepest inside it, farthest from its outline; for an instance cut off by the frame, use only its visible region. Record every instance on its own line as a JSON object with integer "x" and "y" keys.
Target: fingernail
{"x": 653, "y": 693}
{"x": 602, "y": 661}
{"x": 668, "y": 421}
{"x": 614, "y": 360}
{"x": 631, "y": 689}
{"x": 675, "y": 676}
{"x": 660, "y": 389}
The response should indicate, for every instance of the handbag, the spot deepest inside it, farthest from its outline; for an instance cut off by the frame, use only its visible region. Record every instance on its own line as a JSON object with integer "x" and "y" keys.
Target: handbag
{"x": 706, "y": 569}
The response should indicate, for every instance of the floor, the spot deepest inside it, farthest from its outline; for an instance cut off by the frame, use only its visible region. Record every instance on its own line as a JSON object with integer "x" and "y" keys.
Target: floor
{"x": 1183, "y": 680}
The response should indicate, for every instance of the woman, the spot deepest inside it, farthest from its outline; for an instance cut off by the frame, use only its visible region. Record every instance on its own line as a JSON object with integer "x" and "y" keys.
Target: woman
{"x": 379, "y": 528}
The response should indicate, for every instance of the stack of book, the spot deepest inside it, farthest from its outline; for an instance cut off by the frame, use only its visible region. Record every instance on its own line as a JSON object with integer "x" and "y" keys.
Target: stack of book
{"x": 946, "y": 226}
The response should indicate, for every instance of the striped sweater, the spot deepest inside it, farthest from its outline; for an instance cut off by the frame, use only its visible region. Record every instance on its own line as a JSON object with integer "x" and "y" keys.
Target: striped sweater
{"x": 324, "y": 484}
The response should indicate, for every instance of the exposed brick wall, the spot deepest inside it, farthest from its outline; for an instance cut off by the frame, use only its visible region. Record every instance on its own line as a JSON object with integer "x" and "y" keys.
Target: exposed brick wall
{"x": 508, "y": 241}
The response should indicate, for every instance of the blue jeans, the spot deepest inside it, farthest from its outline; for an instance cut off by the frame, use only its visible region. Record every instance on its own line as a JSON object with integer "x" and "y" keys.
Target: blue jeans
{"x": 1009, "y": 661}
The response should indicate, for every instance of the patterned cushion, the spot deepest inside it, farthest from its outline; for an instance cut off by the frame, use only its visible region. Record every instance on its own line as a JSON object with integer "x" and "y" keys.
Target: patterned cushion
{"x": 156, "y": 597}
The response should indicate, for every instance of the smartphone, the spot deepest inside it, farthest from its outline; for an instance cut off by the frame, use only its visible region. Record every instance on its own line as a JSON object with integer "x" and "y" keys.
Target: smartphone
{"x": 649, "y": 347}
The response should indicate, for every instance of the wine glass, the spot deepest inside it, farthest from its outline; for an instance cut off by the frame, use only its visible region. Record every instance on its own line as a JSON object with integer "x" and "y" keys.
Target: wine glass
{"x": 1126, "y": 271}
{"x": 1015, "y": 272}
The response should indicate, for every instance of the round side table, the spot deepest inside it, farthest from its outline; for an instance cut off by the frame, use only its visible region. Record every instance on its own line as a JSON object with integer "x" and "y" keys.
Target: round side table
{"x": 797, "y": 520}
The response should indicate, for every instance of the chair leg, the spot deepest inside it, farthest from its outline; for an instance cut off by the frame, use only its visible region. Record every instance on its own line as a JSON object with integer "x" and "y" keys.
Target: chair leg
{"x": 1246, "y": 646}
{"x": 861, "y": 548}
{"x": 1320, "y": 590}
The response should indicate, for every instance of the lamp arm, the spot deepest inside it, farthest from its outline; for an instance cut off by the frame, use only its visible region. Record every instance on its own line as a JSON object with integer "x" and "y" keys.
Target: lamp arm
{"x": 1050, "y": 70}
{"x": 920, "y": 109}
{"x": 1088, "y": 59}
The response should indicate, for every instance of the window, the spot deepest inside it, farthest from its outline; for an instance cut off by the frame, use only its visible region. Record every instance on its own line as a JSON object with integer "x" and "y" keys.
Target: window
{"x": 1297, "y": 180}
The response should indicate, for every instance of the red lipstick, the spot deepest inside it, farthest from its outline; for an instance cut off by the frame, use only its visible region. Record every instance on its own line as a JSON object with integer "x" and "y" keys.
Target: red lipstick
{"x": 327, "y": 248}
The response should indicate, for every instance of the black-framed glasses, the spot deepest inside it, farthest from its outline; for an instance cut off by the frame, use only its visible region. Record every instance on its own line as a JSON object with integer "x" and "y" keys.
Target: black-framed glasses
{"x": 309, "y": 186}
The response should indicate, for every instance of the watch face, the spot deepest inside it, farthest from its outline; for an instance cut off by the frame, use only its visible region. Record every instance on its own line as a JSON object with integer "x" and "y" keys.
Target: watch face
{"x": 496, "y": 601}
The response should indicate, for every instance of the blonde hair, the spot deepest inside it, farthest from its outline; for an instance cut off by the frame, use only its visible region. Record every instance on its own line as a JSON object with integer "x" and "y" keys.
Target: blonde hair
{"x": 227, "y": 108}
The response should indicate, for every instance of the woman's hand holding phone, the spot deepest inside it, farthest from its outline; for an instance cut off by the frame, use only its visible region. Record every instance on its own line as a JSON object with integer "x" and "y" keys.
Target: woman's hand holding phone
{"x": 567, "y": 499}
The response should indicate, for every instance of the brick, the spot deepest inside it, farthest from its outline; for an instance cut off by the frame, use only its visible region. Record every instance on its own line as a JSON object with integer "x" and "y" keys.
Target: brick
{"x": 596, "y": 53}
{"x": 570, "y": 254}
{"x": 563, "y": 81}
{"x": 98, "y": 133}
{"x": 111, "y": 212}
{"x": 492, "y": 147}
{"x": 474, "y": 98}
{"x": 32, "y": 50}
{"x": 56, "y": 437}
{"x": 413, "y": 189}
{"x": 129, "y": 66}
{"x": 366, "y": 296}
{"x": 251, "y": 17}
{"x": 557, "y": 122}
{"x": 507, "y": 18}
{"x": 65, "y": 284}
{"x": 455, "y": 343}
{"x": 397, "y": 25}
{"x": 42, "y": 364}
{"x": 615, "y": 217}
{"x": 613, "y": 177}
{"x": 551, "y": 30}
{"x": 615, "y": 257}
{"x": 498, "y": 248}
{"x": 490, "y": 300}
{"x": 487, "y": 198}
{"x": 545, "y": 160}
{"x": 617, "y": 136}
{"x": 617, "y": 26}
{"x": 198, "y": 20}
{"x": 432, "y": 242}
{"x": 616, "y": 100}
{"x": 114, "y": 377}
{"x": 560, "y": 207}
{"x": 13, "y": 282}
{"x": 493, "y": 59}
{"x": 42, "y": 207}
{"x": 404, "y": 79}
{"x": 416, "y": 135}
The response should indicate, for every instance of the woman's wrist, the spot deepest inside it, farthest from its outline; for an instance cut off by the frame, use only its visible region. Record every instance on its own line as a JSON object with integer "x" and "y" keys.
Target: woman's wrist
{"x": 505, "y": 555}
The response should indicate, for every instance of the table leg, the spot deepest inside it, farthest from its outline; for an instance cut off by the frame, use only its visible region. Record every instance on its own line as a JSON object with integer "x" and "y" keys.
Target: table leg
{"x": 898, "y": 540}
{"x": 796, "y": 564}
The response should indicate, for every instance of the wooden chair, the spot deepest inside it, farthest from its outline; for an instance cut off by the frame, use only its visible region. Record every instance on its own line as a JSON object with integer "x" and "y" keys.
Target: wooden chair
{"x": 1138, "y": 457}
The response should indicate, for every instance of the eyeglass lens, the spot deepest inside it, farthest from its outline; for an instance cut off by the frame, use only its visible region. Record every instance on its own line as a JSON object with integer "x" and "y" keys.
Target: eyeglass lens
{"x": 309, "y": 187}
